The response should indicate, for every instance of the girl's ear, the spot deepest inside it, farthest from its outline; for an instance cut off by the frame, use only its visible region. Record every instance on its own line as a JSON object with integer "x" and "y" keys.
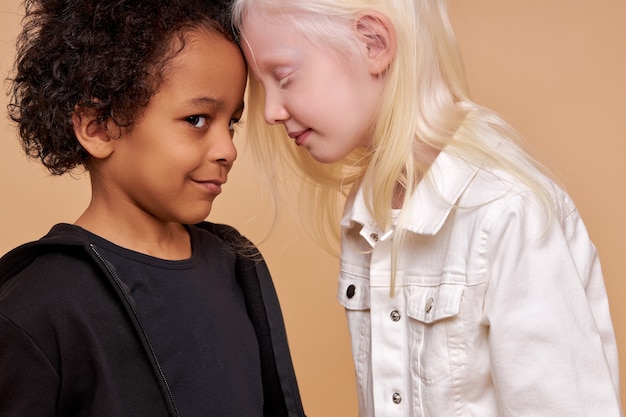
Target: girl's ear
{"x": 92, "y": 133}
{"x": 377, "y": 34}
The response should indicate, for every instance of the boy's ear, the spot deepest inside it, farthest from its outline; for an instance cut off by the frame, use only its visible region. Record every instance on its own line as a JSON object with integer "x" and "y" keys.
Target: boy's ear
{"x": 377, "y": 34}
{"x": 92, "y": 133}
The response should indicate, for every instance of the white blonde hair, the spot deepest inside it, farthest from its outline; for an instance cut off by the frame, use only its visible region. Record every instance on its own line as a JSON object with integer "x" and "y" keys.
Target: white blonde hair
{"x": 425, "y": 102}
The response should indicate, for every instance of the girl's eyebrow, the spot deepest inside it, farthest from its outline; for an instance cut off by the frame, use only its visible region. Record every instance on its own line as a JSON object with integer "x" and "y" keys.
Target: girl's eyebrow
{"x": 269, "y": 61}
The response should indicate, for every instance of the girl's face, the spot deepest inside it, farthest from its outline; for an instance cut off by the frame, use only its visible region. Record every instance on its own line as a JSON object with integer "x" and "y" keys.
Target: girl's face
{"x": 172, "y": 163}
{"x": 326, "y": 103}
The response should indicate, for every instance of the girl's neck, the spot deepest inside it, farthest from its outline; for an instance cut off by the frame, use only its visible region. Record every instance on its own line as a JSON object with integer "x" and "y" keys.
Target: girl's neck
{"x": 398, "y": 196}
{"x": 424, "y": 157}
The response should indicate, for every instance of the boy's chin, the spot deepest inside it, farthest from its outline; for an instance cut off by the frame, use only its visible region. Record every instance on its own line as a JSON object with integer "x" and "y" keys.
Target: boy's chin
{"x": 197, "y": 218}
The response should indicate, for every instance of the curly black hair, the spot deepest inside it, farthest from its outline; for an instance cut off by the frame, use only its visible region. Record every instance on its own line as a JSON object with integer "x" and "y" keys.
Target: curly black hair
{"x": 105, "y": 55}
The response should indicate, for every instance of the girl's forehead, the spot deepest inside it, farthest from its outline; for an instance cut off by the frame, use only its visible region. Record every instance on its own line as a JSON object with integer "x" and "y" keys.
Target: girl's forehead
{"x": 280, "y": 20}
{"x": 267, "y": 56}
{"x": 264, "y": 39}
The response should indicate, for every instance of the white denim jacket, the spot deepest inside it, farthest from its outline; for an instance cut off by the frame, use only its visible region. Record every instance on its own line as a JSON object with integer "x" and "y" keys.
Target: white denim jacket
{"x": 497, "y": 312}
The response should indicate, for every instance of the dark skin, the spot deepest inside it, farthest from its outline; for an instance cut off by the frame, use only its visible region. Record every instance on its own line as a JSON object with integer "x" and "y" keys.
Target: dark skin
{"x": 168, "y": 168}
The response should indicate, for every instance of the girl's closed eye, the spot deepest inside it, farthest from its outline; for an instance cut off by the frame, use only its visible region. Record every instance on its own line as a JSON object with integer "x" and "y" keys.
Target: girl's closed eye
{"x": 197, "y": 121}
{"x": 282, "y": 83}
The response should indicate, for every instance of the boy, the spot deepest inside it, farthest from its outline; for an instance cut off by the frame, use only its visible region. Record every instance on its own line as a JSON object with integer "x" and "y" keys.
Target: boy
{"x": 139, "y": 308}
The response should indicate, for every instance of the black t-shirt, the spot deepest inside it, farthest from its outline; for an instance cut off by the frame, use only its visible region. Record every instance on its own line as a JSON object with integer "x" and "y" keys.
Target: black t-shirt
{"x": 195, "y": 318}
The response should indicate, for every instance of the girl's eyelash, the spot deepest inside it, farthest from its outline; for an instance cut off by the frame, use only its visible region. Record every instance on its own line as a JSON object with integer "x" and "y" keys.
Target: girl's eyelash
{"x": 283, "y": 81}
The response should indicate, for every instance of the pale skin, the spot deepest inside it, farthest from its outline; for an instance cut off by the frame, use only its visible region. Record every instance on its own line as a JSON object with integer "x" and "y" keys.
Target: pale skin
{"x": 167, "y": 169}
{"x": 326, "y": 103}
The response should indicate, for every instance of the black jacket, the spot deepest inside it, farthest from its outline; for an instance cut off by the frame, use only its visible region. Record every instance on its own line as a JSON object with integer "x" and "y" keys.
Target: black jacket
{"x": 71, "y": 343}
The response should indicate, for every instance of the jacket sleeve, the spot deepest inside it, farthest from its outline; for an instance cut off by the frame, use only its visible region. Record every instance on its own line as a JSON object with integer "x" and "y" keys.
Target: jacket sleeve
{"x": 551, "y": 340}
{"x": 280, "y": 387}
{"x": 28, "y": 382}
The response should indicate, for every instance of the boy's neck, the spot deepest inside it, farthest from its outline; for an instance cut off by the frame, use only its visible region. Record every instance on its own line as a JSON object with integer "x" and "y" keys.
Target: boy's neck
{"x": 164, "y": 240}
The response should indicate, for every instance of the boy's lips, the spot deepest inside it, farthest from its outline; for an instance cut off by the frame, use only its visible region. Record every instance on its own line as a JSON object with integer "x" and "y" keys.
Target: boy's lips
{"x": 212, "y": 186}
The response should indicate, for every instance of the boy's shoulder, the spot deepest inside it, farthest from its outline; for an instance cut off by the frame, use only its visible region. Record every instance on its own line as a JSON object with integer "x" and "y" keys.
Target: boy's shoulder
{"x": 49, "y": 275}
{"x": 54, "y": 251}
{"x": 232, "y": 237}
{"x": 223, "y": 231}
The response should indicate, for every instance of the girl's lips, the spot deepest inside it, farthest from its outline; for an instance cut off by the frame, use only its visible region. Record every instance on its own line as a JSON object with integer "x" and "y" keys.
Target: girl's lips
{"x": 300, "y": 136}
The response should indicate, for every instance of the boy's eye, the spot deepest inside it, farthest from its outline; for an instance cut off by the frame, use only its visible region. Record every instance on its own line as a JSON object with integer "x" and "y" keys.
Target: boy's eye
{"x": 197, "y": 121}
{"x": 232, "y": 124}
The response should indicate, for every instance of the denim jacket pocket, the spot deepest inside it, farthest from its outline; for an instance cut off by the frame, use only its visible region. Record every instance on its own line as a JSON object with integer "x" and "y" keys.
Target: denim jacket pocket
{"x": 437, "y": 337}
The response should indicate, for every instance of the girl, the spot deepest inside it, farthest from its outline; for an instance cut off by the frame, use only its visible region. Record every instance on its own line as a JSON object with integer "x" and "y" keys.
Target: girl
{"x": 139, "y": 308}
{"x": 470, "y": 285}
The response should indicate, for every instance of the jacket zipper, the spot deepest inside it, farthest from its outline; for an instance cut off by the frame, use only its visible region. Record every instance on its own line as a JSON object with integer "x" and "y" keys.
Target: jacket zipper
{"x": 143, "y": 331}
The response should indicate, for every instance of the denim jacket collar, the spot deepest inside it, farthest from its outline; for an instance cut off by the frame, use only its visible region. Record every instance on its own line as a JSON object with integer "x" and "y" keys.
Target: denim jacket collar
{"x": 430, "y": 204}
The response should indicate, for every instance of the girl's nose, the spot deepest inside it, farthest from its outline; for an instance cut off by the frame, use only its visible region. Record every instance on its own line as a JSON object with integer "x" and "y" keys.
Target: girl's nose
{"x": 275, "y": 112}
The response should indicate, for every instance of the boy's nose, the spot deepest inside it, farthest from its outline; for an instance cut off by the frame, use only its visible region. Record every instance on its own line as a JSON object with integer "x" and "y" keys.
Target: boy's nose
{"x": 224, "y": 151}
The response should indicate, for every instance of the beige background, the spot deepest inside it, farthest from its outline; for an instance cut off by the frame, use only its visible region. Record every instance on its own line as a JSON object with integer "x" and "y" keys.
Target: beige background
{"x": 554, "y": 68}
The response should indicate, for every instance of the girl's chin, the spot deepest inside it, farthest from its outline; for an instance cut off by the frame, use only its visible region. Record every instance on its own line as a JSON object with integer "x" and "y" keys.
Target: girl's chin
{"x": 326, "y": 159}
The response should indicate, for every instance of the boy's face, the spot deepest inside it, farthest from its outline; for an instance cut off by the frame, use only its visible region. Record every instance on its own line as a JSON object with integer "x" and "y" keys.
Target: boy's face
{"x": 327, "y": 104}
{"x": 172, "y": 163}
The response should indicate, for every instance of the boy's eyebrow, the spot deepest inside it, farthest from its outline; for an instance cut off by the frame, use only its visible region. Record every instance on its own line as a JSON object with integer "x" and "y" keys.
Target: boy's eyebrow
{"x": 210, "y": 101}
{"x": 204, "y": 100}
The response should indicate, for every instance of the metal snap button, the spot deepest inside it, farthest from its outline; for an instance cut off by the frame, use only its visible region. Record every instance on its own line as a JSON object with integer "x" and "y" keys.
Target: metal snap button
{"x": 396, "y": 398}
{"x": 395, "y": 315}
{"x": 429, "y": 304}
